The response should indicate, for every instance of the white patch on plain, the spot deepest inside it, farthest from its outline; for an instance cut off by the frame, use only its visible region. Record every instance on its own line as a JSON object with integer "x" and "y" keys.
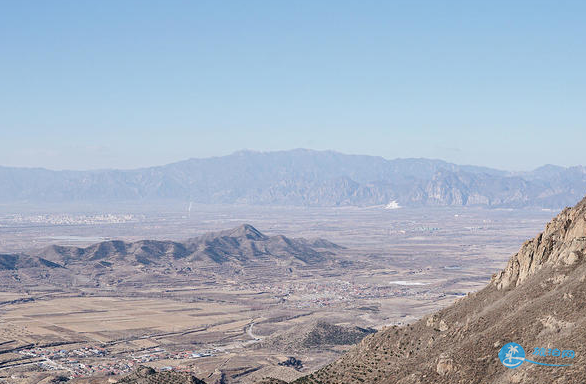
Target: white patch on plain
{"x": 393, "y": 205}
{"x": 403, "y": 282}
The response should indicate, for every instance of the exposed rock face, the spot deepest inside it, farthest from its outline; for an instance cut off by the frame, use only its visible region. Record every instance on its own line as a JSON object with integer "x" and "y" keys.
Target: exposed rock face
{"x": 562, "y": 242}
{"x": 538, "y": 301}
{"x": 445, "y": 365}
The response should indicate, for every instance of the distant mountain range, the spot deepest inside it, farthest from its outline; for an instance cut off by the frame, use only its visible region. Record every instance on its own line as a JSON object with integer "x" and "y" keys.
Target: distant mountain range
{"x": 303, "y": 177}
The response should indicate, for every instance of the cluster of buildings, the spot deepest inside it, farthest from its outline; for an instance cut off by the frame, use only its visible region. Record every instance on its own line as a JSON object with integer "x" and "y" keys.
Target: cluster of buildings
{"x": 88, "y": 361}
{"x": 161, "y": 354}
{"x": 67, "y": 219}
{"x": 65, "y": 353}
{"x": 316, "y": 294}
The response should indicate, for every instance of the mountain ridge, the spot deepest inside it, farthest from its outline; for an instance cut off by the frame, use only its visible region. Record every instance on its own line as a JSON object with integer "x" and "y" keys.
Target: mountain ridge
{"x": 14, "y": 261}
{"x": 239, "y": 245}
{"x": 303, "y": 177}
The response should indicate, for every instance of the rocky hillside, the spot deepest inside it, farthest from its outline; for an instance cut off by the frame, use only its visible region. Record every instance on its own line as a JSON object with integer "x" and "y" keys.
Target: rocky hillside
{"x": 302, "y": 177}
{"x": 538, "y": 301}
{"x": 562, "y": 243}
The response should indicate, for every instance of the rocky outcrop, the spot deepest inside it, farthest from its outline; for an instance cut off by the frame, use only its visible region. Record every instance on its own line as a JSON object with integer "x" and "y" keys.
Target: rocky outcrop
{"x": 445, "y": 365}
{"x": 562, "y": 242}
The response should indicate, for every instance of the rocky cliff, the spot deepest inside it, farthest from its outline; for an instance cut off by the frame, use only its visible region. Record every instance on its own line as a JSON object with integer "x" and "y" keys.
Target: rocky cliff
{"x": 561, "y": 243}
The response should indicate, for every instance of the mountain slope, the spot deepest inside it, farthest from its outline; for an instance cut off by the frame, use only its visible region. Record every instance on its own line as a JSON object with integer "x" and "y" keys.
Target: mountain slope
{"x": 116, "y": 252}
{"x": 537, "y": 301}
{"x": 302, "y": 177}
{"x": 18, "y": 261}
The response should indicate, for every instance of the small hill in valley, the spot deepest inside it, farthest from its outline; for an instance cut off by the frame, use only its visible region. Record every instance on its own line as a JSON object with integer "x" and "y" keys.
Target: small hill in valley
{"x": 315, "y": 335}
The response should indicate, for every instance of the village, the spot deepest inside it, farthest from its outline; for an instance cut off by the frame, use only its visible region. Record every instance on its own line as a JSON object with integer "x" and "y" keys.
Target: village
{"x": 80, "y": 364}
{"x": 326, "y": 293}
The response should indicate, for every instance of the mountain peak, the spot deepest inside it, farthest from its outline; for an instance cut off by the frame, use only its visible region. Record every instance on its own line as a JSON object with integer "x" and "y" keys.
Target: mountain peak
{"x": 246, "y": 231}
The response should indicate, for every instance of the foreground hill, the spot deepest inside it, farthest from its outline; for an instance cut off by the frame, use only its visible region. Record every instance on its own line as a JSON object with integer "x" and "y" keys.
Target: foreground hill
{"x": 302, "y": 177}
{"x": 538, "y": 301}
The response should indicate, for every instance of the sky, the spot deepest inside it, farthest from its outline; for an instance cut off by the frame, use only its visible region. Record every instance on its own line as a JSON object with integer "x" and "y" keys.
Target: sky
{"x": 125, "y": 84}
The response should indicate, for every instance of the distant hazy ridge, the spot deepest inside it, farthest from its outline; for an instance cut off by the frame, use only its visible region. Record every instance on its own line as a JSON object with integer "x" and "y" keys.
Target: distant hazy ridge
{"x": 303, "y": 177}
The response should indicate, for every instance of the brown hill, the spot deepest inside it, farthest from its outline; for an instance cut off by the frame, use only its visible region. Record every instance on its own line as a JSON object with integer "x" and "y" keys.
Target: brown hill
{"x": 116, "y": 251}
{"x": 245, "y": 244}
{"x": 537, "y": 301}
{"x": 241, "y": 245}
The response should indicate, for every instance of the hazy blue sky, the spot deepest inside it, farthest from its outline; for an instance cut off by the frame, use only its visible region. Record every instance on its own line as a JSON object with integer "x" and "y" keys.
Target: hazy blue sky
{"x": 94, "y": 84}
